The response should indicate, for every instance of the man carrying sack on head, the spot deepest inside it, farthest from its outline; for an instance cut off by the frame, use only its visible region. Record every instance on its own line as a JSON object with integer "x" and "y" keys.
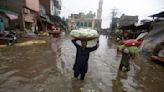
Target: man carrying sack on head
{"x": 82, "y": 55}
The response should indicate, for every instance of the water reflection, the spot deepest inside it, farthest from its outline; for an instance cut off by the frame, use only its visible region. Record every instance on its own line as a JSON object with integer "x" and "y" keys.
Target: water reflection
{"x": 37, "y": 68}
{"x": 117, "y": 83}
{"x": 77, "y": 86}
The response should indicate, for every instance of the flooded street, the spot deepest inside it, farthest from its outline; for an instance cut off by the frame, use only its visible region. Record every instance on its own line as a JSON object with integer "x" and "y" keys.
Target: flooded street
{"x": 46, "y": 66}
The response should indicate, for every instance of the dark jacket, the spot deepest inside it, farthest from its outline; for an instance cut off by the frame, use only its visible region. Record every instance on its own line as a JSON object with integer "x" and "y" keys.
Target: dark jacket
{"x": 82, "y": 56}
{"x": 125, "y": 59}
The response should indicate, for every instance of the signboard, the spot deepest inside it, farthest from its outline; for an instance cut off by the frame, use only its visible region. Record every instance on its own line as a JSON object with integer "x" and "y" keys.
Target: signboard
{"x": 33, "y": 4}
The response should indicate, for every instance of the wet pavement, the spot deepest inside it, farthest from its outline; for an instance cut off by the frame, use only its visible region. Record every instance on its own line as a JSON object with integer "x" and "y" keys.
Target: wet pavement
{"x": 45, "y": 65}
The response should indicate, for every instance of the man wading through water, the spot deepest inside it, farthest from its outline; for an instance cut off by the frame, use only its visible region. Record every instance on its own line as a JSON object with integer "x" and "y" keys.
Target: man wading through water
{"x": 124, "y": 65}
{"x": 82, "y": 55}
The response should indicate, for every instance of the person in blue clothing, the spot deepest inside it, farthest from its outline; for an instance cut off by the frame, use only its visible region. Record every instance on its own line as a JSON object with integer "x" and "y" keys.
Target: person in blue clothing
{"x": 82, "y": 55}
{"x": 1, "y": 25}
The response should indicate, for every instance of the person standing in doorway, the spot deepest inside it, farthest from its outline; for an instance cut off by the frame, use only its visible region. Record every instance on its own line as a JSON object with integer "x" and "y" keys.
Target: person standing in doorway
{"x": 82, "y": 55}
{"x": 1, "y": 25}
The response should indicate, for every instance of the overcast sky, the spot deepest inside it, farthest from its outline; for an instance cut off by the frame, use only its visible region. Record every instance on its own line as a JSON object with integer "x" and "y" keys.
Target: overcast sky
{"x": 142, "y": 8}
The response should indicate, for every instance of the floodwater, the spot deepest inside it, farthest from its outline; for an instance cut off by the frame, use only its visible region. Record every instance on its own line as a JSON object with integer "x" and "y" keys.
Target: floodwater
{"x": 45, "y": 65}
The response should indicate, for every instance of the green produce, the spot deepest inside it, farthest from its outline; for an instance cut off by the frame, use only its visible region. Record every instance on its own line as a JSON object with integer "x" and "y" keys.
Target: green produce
{"x": 133, "y": 50}
{"x": 121, "y": 47}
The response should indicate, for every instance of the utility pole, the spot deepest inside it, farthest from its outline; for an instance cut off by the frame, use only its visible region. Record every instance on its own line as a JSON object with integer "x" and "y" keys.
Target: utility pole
{"x": 113, "y": 24}
{"x": 114, "y": 13}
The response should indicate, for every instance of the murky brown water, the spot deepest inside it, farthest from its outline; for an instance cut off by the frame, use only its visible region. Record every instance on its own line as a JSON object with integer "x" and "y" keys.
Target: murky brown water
{"x": 46, "y": 67}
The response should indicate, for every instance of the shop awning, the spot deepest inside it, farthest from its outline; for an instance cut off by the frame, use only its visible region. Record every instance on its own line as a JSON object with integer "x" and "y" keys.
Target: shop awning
{"x": 59, "y": 21}
{"x": 46, "y": 18}
{"x": 139, "y": 27}
{"x": 144, "y": 26}
{"x": 161, "y": 14}
{"x": 128, "y": 27}
{"x": 11, "y": 15}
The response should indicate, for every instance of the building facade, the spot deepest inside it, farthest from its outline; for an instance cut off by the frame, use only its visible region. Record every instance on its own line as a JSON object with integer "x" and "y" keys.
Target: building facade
{"x": 27, "y": 11}
{"x": 126, "y": 20}
{"x": 50, "y": 9}
{"x": 53, "y": 7}
{"x": 114, "y": 24}
{"x": 81, "y": 20}
{"x": 99, "y": 10}
{"x": 89, "y": 20}
{"x": 99, "y": 16}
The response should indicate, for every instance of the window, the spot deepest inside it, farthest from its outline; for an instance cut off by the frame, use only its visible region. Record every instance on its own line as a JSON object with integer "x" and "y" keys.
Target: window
{"x": 26, "y": 11}
{"x": 90, "y": 24}
{"x": 85, "y": 25}
{"x": 82, "y": 24}
{"x": 78, "y": 24}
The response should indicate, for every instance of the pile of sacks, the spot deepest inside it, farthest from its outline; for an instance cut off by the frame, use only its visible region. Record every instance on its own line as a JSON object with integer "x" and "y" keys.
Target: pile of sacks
{"x": 84, "y": 33}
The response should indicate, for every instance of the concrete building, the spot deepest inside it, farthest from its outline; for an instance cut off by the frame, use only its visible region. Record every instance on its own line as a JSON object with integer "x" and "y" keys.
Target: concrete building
{"x": 8, "y": 19}
{"x": 99, "y": 16}
{"x": 81, "y": 20}
{"x": 114, "y": 24}
{"x": 99, "y": 10}
{"x": 49, "y": 9}
{"x": 52, "y": 7}
{"x": 127, "y": 20}
{"x": 30, "y": 10}
{"x": 26, "y": 9}
{"x": 90, "y": 19}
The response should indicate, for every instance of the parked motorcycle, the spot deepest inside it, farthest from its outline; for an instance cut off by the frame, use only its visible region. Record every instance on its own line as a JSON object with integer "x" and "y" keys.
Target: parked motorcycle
{"x": 8, "y": 37}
